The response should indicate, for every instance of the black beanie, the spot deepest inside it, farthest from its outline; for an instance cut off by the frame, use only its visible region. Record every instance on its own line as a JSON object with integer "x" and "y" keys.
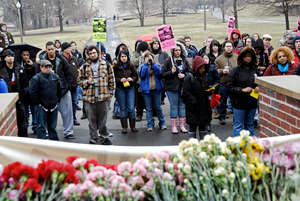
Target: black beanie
{"x": 65, "y": 45}
{"x": 143, "y": 46}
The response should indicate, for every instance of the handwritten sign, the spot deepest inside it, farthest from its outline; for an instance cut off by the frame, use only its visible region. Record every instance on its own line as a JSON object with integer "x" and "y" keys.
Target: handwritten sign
{"x": 298, "y": 32}
{"x": 99, "y": 29}
{"x": 230, "y": 25}
{"x": 166, "y": 37}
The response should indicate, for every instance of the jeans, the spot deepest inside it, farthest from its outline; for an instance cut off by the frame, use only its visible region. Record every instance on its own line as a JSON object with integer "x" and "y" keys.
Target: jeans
{"x": 79, "y": 92}
{"x": 33, "y": 114}
{"x": 193, "y": 129}
{"x": 126, "y": 99}
{"x": 74, "y": 102}
{"x": 229, "y": 104}
{"x": 153, "y": 97}
{"x": 48, "y": 119}
{"x": 243, "y": 119}
{"x": 177, "y": 107}
{"x": 223, "y": 101}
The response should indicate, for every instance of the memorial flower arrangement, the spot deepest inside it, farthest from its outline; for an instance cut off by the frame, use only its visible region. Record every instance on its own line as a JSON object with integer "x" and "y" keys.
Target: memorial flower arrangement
{"x": 241, "y": 168}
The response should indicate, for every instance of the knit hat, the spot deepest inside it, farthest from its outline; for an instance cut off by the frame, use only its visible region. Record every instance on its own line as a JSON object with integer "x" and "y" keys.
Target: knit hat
{"x": 295, "y": 38}
{"x": 103, "y": 49}
{"x": 65, "y": 45}
{"x": 8, "y": 52}
{"x": 143, "y": 46}
{"x": 267, "y": 36}
{"x": 46, "y": 63}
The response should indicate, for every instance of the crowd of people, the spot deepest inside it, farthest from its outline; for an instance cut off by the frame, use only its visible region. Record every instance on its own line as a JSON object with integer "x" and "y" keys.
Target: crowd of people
{"x": 55, "y": 79}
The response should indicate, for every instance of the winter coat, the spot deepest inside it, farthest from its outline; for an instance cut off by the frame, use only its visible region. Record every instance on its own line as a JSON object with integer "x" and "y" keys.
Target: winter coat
{"x": 193, "y": 48}
{"x": 159, "y": 55}
{"x": 296, "y": 57}
{"x": 238, "y": 45}
{"x": 129, "y": 71}
{"x": 210, "y": 55}
{"x": 273, "y": 70}
{"x": 61, "y": 68}
{"x": 172, "y": 82}
{"x": 239, "y": 78}
{"x": 74, "y": 67}
{"x": 263, "y": 59}
{"x": 46, "y": 90}
{"x": 2, "y": 40}
{"x": 76, "y": 54}
{"x": 144, "y": 75}
{"x": 224, "y": 60}
{"x": 297, "y": 71}
{"x": 3, "y": 86}
{"x": 197, "y": 106}
{"x": 202, "y": 51}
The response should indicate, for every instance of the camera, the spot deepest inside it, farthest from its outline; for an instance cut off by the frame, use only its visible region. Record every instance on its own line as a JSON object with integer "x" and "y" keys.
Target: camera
{"x": 150, "y": 60}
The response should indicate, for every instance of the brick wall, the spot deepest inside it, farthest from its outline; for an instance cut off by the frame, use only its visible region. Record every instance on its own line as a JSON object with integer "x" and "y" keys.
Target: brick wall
{"x": 279, "y": 114}
{"x": 8, "y": 125}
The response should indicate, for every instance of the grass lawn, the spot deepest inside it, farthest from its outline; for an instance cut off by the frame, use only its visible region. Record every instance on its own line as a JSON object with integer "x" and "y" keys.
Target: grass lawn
{"x": 193, "y": 25}
{"x": 80, "y": 34}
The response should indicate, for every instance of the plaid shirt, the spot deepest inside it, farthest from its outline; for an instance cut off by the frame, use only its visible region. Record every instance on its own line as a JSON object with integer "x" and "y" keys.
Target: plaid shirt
{"x": 106, "y": 82}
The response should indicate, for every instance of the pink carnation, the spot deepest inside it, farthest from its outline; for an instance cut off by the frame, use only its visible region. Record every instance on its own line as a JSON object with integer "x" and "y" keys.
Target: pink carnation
{"x": 150, "y": 156}
{"x": 109, "y": 173}
{"x": 137, "y": 180}
{"x": 149, "y": 185}
{"x": 140, "y": 169}
{"x": 93, "y": 176}
{"x": 168, "y": 176}
{"x": 12, "y": 195}
{"x": 71, "y": 188}
{"x": 150, "y": 175}
{"x": 86, "y": 185}
{"x": 138, "y": 194}
{"x": 158, "y": 172}
{"x": 124, "y": 166}
{"x": 164, "y": 156}
{"x": 142, "y": 161}
{"x": 79, "y": 162}
{"x": 98, "y": 168}
{"x": 98, "y": 190}
{"x": 80, "y": 175}
{"x": 124, "y": 187}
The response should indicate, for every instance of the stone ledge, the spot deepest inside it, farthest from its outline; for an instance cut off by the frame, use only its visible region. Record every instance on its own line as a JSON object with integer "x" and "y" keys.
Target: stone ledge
{"x": 287, "y": 85}
{"x": 7, "y": 100}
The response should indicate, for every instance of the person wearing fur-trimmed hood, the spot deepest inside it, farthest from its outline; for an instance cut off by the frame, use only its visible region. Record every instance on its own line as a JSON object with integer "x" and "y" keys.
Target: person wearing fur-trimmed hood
{"x": 174, "y": 77}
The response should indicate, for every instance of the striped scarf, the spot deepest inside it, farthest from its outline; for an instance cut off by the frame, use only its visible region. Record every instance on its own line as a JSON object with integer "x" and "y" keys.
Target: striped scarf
{"x": 5, "y": 38}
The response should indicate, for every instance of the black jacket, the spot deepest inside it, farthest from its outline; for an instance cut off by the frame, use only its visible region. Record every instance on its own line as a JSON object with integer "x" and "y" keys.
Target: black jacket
{"x": 46, "y": 90}
{"x": 238, "y": 79}
{"x": 297, "y": 71}
{"x": 62, "y": 69}
{"x": 263, "y": 59}
{"x": 210, "y": 55}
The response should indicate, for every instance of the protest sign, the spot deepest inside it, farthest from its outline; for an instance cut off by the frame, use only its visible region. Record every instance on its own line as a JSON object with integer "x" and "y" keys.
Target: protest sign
{"x": 99, "y": 29}
{"x": 230, "y": 25}
{"x": 166, "y": 37}
{"x": 298, "y": 32}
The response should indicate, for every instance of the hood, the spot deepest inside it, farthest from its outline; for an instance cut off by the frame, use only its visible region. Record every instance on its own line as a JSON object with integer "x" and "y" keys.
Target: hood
{"x": 287, "y": 32}
{"x": 183, "y": 50}
{"x": 1, "y": 24}
{"x": 154, "y": 39}
{"x": 135, "y": 45}
{"x": 57, "y": 38}
{"x": 117, "y": 49}
{"x": 211, "y": 45}
{"x": 123, "y": 51}
{"x": 258, "y": 43}
{"x": 252, "y": 41}
{"x": 199, "y": 61}
{"x": 237, "y": 32}
{"x": 42, "y": 52}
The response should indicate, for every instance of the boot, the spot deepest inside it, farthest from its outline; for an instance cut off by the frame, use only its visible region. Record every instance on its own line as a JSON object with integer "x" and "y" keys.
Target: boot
{"x": 124, "y": 125}
{"x": 182, "y": 125}
{"x": 174, "y": 125}
{"x": 192, "y": 135}
{"x": 132, "y": 125}
{"x": 202, "y": 134}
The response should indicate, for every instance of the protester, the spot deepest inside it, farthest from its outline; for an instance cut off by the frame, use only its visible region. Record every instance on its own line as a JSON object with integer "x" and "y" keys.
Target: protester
{"x": 224, "y": 64}
{"x": 249, "y": 41}
{"x": 74, "y": 51}
{"x": 190, "y": 54}
{"x": 16, "y": 81}
{"x": 126, "y": 77}
{"x": 268, "y": 48}
{"x": 286, "y": 35}
{"x": 81, "y": 61}
{"x": 30, "y": 68}
{"x": 256, "y": 36}
{"x": 96, "y": 77}
{"x": 245, "y": 36}
{"x": 296, "y": 50}
{"x": 151, "y": 87}
{"x": 215, "y": 50}
{"x": 195, "y": 96}
{"x": 6, "y": 38}
{"x": 61, "y": 67}
{"x": 263, "y": 59}
{"x": 236, "y": 38}
{"x": 104, "y": 55}
{"x": 46, "y": 92}
{"x": 66, "y": 49}
{"x": 205, "y": 49}
{"x": 57, "y": 42}
{"x": 135, "y": 56}
{"x": 173, "y": 72}
{"x": 188, "y": 44}
{"x": 241, "y": 82}
{"x": 3, "y": 85}
{"x": 281, "y": 62}
{"x": 289, "y": 43}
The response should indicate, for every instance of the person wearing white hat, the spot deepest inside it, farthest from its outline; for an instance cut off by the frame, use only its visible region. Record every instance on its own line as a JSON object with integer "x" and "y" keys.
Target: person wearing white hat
{"x": 267, "y": 43}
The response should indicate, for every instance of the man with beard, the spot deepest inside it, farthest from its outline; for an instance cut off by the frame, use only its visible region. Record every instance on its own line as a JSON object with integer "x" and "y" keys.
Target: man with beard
{"x": 6, "y": 38}
{"x": 16, "y": 81}
{"x": 97, "y": 79}
{"x": 61, "y": 67}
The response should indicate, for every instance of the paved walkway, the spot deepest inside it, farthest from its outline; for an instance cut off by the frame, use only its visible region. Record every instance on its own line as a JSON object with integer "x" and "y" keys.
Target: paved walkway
{"x": 143, "y": 137}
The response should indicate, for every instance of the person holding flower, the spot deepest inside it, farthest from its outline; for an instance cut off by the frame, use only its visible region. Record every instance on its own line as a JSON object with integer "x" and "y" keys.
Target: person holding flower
{"x": 241, "y": 82}
{"x": 281, "y": 60}
{"x": 126, "y": 77}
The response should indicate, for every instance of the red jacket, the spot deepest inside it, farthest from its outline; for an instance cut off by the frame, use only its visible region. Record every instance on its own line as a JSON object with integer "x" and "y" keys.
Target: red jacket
{"x": 296, "y": 57}
{"x": 276, "y": 71}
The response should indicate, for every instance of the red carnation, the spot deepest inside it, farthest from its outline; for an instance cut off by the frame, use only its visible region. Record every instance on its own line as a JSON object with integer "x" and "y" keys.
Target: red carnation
{"x": 33, "y": 184}
{"x": 71, "y": 178}
{"x": 70, "y": 159}
{"x": 89, "y": 162}
{"x": 7, "y": 172}
{"x": 24, "y": 170}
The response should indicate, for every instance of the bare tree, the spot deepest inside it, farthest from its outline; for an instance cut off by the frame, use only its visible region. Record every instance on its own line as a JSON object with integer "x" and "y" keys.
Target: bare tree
{"x": 195, "y": 5}
{"x": 224, "y": 5}
{"x": 62, "y": 8}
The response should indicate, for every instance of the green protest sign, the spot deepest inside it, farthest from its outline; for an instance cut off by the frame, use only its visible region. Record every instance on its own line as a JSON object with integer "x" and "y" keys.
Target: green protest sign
{"x": 99, "y": 29}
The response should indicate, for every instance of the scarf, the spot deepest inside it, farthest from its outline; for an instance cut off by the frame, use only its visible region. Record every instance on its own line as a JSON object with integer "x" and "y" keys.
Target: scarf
{"x": 284, "y": 68}
{"x": 267, "y": 49}
{"x": 5, "y": 38}
{"x": 123, "y": 65}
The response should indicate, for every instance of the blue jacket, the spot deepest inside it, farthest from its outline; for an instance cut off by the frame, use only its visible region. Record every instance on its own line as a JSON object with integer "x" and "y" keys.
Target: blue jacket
{"x": 144, "y": 75}
{"x": 3, "y": 86}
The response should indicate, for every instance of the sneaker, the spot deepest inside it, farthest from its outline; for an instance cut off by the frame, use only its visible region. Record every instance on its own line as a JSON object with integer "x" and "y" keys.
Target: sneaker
{"x": 110, "y": 135}
{"x": 72, "y": 136}
{"x": 78, "y": 108}
{"x": 163, "y": 128}
{"x": 222, "y": 122}
{"x": 83, "y": 116}
{"x": 150, "y": 129}
{"x": 106, "y": 141}
{"x": 76, "y": 123}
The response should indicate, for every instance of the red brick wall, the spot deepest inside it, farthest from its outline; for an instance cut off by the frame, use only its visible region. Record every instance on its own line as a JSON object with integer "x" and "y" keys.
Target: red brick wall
{"x": 279, "y": 114}
{"x": 8, "y": 125}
